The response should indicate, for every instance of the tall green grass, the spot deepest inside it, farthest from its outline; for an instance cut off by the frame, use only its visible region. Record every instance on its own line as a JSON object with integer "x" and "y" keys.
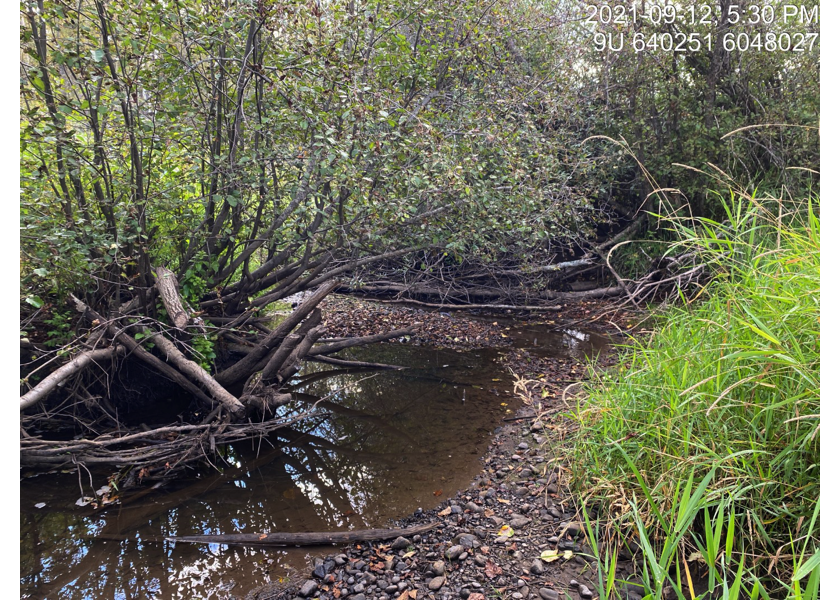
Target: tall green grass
{"x": 703, "y": 447}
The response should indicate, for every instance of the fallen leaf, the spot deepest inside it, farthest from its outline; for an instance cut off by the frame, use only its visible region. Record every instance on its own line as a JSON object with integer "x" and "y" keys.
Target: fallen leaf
{"x": 410, "y": 554}
{"x": 41, "y": 505}
{"x": 403, "y": 596}
{"x": 476, "y": 596}
{"x": 492, "y": 570}
{"x": 694, "y": 556}
{"x": 503, "y": 501}
{"x": 549, "y": 556}
{"x": 263, "y": 536}
{"x": 438, "y": 492}
{"x": 506, "y": 531}
{"x": 412, "y": 594}
{"x": 488, "y": 512}
{"x": 445, "y": 512}
{"x": 568, "y": 554}
{"x": 485, "y": 549}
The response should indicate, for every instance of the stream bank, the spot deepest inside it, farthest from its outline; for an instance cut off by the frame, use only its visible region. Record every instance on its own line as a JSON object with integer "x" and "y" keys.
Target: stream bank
{"x": 386, "y": 444}
{"x": 495, "y": 537}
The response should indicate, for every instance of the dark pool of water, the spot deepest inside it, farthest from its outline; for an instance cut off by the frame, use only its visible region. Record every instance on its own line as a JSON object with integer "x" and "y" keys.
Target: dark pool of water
{"x": 380, "y": 445}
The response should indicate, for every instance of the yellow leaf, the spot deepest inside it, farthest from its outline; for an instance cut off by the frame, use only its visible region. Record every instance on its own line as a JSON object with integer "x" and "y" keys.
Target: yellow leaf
{"x": 568, "y": 554}
{"x": 506, "y": 531}
{"x": 549, "y": 556}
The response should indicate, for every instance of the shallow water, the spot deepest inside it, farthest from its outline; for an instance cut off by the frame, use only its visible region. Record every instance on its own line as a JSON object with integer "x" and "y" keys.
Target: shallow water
{"x": 381, "y": 445}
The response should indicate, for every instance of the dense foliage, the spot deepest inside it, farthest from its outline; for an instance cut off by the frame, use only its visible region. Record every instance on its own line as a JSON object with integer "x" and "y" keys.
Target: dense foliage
{"x": 727, "y": 387}
{"x": 215, "y": 136}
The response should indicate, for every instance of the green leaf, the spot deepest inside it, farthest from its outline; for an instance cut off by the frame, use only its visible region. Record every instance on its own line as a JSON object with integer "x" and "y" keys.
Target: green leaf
{"x": 35, "y": 301}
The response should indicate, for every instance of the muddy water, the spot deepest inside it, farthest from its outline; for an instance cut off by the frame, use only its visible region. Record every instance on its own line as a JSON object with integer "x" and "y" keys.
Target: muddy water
{"x": 381, "y": 445}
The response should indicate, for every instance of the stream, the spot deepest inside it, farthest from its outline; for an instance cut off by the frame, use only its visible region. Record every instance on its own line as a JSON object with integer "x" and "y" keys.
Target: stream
{"x": 380, "y": 445}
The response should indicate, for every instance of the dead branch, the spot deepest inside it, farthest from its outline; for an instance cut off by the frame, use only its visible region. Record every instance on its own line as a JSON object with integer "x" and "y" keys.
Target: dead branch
{"x": 60, "y": 375}
{"x": 167, "y": 286}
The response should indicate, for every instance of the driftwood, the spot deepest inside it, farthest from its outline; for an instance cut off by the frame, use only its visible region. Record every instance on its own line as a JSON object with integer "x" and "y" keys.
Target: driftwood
{"x": 297, "y": 539}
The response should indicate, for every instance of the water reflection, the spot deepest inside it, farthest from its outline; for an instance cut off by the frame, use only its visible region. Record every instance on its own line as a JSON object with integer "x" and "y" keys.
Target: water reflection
{"x": 380, "y": 445}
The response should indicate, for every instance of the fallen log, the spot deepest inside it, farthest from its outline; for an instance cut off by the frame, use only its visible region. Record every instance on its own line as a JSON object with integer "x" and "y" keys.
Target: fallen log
{"x": 352, "y": 363}
{"x": 292, "y": 539}
{"x": 359, "y": 341}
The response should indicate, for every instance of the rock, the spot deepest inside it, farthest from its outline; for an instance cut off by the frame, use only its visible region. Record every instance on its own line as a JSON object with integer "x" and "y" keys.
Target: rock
{"x": 308, "y": 588}
{"x": 319, "y": 572}
{"x": 523, "y": 446}
{"x": 465, "y": 593}
{"x": 463, "y": 556}
{"x": 400, "y": 543}
{"x": 537, "y": 426}
{"x": 472, "y": 507}
{"x": 481, "y": 532}
{"x": 480, "y": 560}
{"x": 400, "y": 566}
{"x": 523, "y": 491}
{"x": 358, "y": 597}
{"x": 453, "y": 552}
{"x": 573, "y": 583}
{"x": 382, "y": 584}
{"x": 490, "y": 493}
{"x": 519, "y": 521}
{"x": 573, "y": 528}
{"x": 467, "y": 540}
{"x": 456, "y": 510}
{"x": 549, "y": 594}
{"x": 391, "y": 589}
{"x": 537, "y": 567}
{"x": 436, "y": 583}
{"x": 515, "y": 457}
{"x": 439, "y": 568}
{"x": 359, "y": 588}
{"x": 584, "y": 592}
